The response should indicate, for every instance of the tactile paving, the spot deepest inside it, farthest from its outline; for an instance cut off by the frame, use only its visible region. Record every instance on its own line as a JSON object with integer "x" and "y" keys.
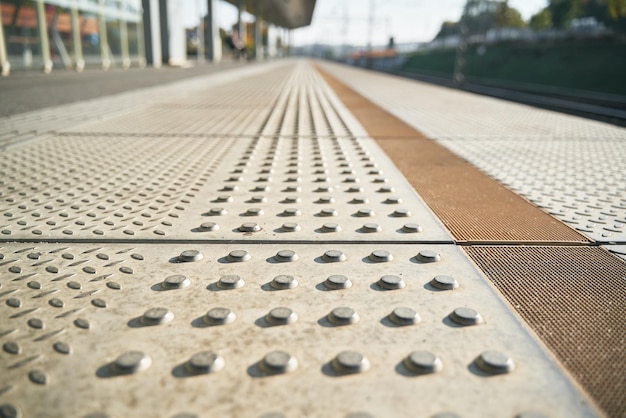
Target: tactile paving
{"x": 89, "y": 187}
{"x": 108, "y": 112}
{"x": 440, "y": 112}
{"x": 472, "y": 206}
{"x": 161, "y": 329}
{"x": 571, "y": 167}
{"x": 582, "y": 182}
{"x": 236, "y": 245}
{"x": 310, "y": 181}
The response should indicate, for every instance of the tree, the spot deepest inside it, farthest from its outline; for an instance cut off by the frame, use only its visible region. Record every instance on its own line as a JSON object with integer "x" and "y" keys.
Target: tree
{"x": 448, "y": 28}
{"x": 563, "y": 11}
{"x": 508, "y": 17}
{"x": 617, "y": 8}
{"x": 610, "y": 12}
{"x": 541, "y": 20}
{"x": 483, "y": 15}
{"x": 617, "y": 15}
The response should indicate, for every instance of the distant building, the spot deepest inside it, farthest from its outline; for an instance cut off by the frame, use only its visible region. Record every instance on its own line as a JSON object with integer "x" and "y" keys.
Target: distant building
{"x": 51, "y": 34}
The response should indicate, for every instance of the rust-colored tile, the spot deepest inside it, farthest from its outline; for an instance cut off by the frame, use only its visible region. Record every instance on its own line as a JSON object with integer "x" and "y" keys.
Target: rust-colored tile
{"x": 574, "y": 298}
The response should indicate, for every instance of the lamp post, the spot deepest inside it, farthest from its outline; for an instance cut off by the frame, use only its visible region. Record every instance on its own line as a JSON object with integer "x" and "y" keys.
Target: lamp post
{"x": 461, "y": 50}
{"x": 5, "y": 66}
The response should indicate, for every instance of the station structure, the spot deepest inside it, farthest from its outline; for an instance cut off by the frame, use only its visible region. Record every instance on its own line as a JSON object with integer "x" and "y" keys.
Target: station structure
{"x": 70, "y": 34}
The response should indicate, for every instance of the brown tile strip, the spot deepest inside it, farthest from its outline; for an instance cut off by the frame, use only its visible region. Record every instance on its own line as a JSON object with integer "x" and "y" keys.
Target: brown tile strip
{"x": 574, "y": 298}
{"x": 474, "y": 207}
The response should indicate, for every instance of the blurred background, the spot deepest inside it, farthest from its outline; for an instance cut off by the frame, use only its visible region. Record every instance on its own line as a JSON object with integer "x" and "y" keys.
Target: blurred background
{"x": 577, "y": 45}
{"x": 570, "y": 44}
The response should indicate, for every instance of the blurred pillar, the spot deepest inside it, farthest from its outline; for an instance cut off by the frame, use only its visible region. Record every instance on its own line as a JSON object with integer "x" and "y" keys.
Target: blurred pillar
{"x": 271, "y": 41}
{"x": 44, "y": 43}
{"x": 461, "y": 50}
{"x": 76, "y": 39}
{"x": 258, "y": 33}
{"x": 103, "y": 40}
{"x": 212, "y": 39}
{"x": 241, "y": 25}
{"x": 164, "y": 31}
{"x": 152, "y": 32}
{"x": 5, "y": 66}
{"x": 124, "y": 37}
{"x": 176, "y": 38}
{"x": 141, "y": 47}
{"x": 200, "y": 32}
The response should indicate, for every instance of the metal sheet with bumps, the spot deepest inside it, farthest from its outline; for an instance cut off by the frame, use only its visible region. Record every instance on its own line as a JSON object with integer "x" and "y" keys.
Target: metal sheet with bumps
{"x": 134, "y": 330}
{"x": 338, "y": 291}
{"x": 249, "y": 188}
{"x": 311, "y": 180}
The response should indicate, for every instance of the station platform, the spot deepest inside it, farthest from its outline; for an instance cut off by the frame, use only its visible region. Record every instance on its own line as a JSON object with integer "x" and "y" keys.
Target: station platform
{"x": 305, "y": 239}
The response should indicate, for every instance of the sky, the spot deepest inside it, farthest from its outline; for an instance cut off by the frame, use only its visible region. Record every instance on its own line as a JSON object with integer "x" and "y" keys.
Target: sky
{"x": 347, "y": 21}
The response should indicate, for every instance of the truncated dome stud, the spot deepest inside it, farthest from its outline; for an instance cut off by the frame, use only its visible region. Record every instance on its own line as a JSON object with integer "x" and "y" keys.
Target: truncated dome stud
{"x": 277, "y": 362}
{"x": 132, "y": 362}
{"x": 190, "y": 255}
{"x": 494, "y": 362}
{"x": 350, "y": 362}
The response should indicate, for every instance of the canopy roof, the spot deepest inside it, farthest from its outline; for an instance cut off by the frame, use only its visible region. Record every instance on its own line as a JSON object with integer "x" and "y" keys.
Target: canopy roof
{"x": 288, "y": 14}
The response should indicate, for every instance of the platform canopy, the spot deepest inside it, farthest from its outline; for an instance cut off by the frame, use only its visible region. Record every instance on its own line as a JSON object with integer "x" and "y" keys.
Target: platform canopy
{"x": 290, "y": 14}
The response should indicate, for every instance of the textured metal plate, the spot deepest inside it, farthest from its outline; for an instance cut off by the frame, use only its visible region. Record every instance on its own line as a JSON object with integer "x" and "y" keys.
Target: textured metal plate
{"x": 163, "y": 172}
{"x": 132, "y": 198}
{"x": 582, "y": 182}
{"x": 68, "y": 312}
{"x": 573, "y": 298}
{"x": 440, "y": 112}
{"x": 571, "y": 167}
{"x": 471, "y": 205}
{"x": 90, "y": 187}
{"x": 108, "y": 112}
{"x": 86, "y": 187}
{"x": 334, "y": 189}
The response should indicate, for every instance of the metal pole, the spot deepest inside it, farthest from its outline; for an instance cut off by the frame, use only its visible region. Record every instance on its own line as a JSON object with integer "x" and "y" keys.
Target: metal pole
{"x": 213, "y": 49}
{"x": 58, "y": 41}
{"x": 461, "y": 50}
{"x": 5, "y": 65}
{"x": 370, "y": 27}
{"x": 200, "y": 33}
{"x": 44, "y": 43}
{"x": 240, "y": 23}
{"x": 141, "y": 47}
{"x": 78, "y": 45}
{"x": 104, "y": 43}
{"x": 124, "y": 37}
{"x": 258, "y": 34}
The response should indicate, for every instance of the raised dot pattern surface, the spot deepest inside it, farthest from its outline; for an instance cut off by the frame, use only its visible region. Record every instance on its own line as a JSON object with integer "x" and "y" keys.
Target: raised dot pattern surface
{"x": 271, "y": 184}
{"x": 215, "y": 341}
